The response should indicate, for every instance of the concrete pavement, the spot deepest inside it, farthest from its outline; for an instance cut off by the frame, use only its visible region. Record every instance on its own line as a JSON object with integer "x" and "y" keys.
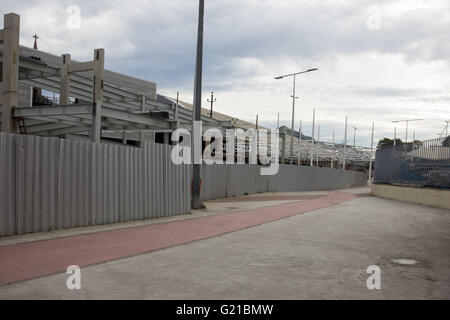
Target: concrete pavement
{"x": 36, "y": 259}
{"x": 322, "y": 254}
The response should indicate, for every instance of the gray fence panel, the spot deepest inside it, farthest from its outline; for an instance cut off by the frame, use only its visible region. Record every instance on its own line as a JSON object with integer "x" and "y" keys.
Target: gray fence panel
{"x": 50, "y": 183}
{"x": 210, "y": 175}
{"x": 246, "y": 179}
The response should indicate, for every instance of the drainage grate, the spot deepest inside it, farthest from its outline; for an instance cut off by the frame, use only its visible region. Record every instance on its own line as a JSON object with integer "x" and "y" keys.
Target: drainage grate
{"x": 405, "y": 262}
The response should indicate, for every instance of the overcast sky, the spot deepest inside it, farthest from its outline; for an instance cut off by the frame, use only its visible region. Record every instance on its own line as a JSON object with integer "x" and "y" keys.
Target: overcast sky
{"x": 379, "y": 60}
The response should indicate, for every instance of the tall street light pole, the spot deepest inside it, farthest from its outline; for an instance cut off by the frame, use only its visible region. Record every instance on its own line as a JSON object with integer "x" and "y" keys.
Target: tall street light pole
{"x": 354, "y": 136}
{"x": 294, "y": 75}
{"x": 292, "y": 125}
{"x": 196, "y": 114}
{"x": 407, "y": 125}
{"x": 312, "y": 138}
{"x": 395, "y": 136}
{"x": 318, "y": 144}
{"x": 334, "y": 152}
{"x": 345, "y": 145}
{"x": 300, "y": 144}
{"x": 371, "y": 154}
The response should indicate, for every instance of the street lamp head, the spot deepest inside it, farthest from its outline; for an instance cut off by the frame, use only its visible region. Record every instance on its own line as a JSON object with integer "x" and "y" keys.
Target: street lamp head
{"x": 407, "y": 120}
{"x": 294, "y": 74}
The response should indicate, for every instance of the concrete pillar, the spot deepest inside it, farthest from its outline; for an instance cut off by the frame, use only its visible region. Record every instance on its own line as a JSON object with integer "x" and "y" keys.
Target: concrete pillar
{"x": 166, "y": 137}
{"x": 64, "y": 90}
{"x": 151, "y": 136}
{"x": 142, "y": 138}
{"x": 143, "y": 102}
{"x": 10, "y": 39}
{"x": 176, "y": 124}
{"x": 30, "y": 96}
{"x": 99, "y": 65}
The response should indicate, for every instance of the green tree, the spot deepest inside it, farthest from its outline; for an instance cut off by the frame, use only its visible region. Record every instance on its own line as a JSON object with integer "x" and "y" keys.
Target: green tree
{"x": 388, "y": 142}
{"x": 446, "y": 142}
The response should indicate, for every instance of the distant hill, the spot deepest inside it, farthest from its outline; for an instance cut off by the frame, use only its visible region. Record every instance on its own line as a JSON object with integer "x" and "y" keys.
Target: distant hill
{"x": 287, "y": 131}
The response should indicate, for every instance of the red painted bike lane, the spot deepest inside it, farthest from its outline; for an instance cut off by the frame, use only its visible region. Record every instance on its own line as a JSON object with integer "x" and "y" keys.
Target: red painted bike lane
{"x": 36, "y": 259}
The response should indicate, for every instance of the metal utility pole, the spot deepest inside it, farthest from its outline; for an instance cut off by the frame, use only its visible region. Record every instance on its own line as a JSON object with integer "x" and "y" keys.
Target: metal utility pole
{"x": 334, "y": 152}
{"x": 299, "y": 144}
{"x": 196, "y": 114}
{"x": 371, "y": 153}
{"x": 176, "y": 108}
{"x": 293, "y": 106}
{"x": 278, "y": 121}
{"x": 318, "y": 144}
{"x": 212, "y": 103}
{"x": 292, "y": 126}
{"x": 395, "y": 136}
{"x": 312, "y": 138}
{"x": 345, "y": 145}
{"x": 354, "y": 136}
{"x": 257, "y": 119}
{"x": 407, "y": 125}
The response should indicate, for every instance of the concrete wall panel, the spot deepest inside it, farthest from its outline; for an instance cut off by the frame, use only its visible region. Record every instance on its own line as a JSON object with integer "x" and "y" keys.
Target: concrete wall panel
{"x": 425, "y": 196}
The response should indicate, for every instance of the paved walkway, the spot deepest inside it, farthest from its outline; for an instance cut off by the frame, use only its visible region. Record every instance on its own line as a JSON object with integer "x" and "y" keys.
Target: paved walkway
{"x": 322, "y": 254}
{"x": 37, "y": 259}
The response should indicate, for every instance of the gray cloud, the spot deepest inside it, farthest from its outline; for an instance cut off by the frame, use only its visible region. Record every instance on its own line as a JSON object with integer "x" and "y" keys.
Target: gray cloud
{"x": 247, "y": 42}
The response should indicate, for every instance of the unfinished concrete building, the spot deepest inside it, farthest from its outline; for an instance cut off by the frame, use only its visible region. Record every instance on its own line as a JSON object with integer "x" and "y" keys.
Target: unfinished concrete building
{"x": 52, "y": 95}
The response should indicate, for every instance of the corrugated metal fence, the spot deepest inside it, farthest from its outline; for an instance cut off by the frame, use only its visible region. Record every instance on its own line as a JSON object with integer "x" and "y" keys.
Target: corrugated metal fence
{"x": 49, "y": 183}
{"x": 222, "y": 181}
{"x": 418, "y": 164}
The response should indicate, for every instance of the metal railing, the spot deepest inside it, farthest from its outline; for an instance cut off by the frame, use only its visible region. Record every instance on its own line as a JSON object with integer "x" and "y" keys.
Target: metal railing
{"x": 419, "y": 163}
